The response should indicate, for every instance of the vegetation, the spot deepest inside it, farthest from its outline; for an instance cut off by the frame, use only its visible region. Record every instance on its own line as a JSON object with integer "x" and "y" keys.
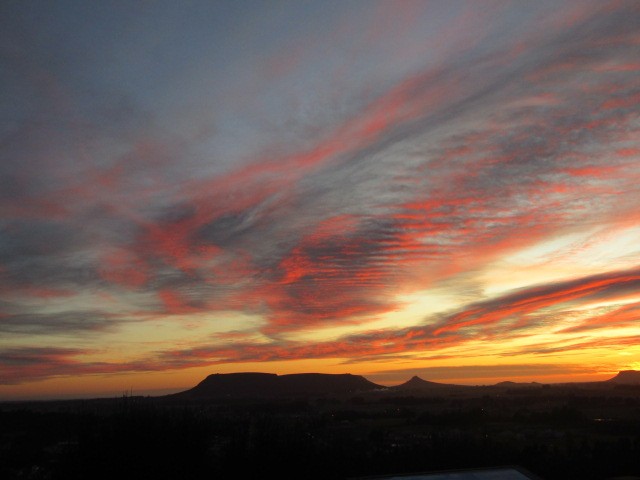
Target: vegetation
{"x": 557, "y": 433}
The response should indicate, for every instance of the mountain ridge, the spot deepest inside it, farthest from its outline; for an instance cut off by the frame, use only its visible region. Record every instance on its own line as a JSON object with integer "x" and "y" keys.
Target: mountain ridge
{"x": 267, "y": 385}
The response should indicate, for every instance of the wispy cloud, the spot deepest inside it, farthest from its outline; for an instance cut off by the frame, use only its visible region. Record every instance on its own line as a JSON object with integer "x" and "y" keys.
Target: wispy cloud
{"x": 410, "y": 148}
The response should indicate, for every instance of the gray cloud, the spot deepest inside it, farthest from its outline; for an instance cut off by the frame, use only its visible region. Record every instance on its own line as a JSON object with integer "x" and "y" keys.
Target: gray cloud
{"x": 111, "y": 163}
{"x": 59, "y": 323}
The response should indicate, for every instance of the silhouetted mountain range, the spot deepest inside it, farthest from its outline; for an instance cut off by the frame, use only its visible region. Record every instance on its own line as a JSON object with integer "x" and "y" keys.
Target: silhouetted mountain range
{"x": 261, "y": 385}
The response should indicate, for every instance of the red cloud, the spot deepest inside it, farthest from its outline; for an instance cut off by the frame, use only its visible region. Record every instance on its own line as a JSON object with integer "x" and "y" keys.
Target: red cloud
{"x": 125, "y": 269}
{"x": 517, "y": 306}
{"x": 621, "y": 316}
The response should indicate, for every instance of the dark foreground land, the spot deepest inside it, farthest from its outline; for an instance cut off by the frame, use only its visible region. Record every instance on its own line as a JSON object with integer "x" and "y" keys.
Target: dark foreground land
{"x": 581, "y": 431}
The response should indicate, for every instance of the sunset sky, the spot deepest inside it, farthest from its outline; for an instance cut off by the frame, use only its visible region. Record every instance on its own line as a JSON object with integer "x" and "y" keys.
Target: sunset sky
{"x": 386, "y": 188}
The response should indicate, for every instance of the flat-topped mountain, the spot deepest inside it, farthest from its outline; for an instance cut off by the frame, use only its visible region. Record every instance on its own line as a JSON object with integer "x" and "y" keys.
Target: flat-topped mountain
{"x": 626, "y": 377}
{"x": 234, "y": 384}
{"x": 272, "y": 385}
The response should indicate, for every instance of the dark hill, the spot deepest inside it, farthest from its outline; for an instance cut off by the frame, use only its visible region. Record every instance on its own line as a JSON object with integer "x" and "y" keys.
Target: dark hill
{"x": 418, "y": 384}
{"x": 260, "y": 385}
{"x": 626, "y": 377}
{"x": 510, "y": 384}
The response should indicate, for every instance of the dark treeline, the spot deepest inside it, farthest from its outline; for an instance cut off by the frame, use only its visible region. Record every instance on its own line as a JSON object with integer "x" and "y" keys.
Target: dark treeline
{"x": 555, "y": 435}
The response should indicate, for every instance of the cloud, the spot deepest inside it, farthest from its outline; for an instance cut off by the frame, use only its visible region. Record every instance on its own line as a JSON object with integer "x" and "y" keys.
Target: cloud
{"x": 58, "y": 323}
{"x": 507, "y": 316}
{"x": 512, "y": 310}
{"x": 608, "y": 317}
{"x": 512, "y": 130}
{"x": 20, "y": 364}
{"x": 495, "y": 317}
{"x": 576, "y": 346}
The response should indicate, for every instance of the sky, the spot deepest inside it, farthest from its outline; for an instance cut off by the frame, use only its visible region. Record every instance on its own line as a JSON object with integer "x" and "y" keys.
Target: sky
{"x": 447, "y": 189}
